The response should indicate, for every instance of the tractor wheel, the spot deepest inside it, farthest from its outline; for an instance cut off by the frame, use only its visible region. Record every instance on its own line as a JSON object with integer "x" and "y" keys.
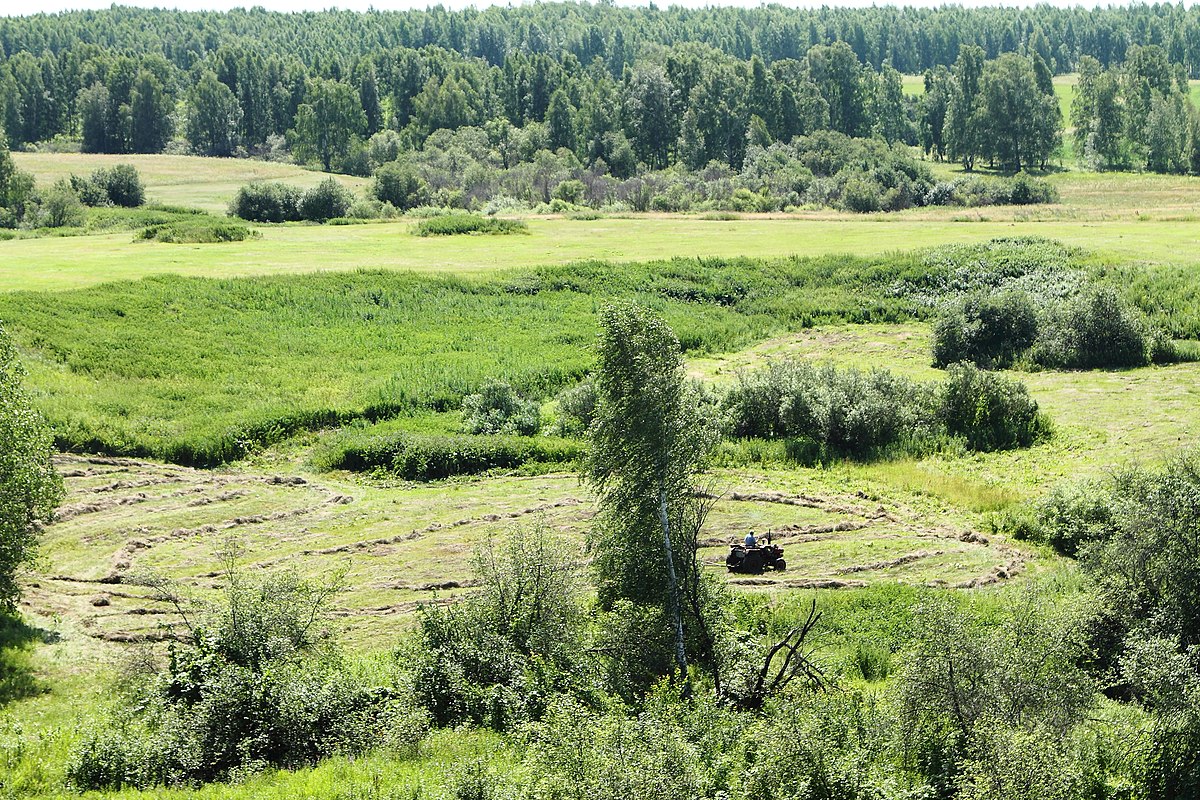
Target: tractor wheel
{"x": 780, "y": 565}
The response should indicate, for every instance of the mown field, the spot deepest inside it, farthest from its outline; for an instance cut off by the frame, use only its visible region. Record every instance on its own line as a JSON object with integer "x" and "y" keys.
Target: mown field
{"x": 195, "y": 383}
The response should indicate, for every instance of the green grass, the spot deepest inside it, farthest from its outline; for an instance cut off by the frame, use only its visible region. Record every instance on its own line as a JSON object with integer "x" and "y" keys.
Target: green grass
{"x": 205, "y": 183}
{"x": 1135, "y": 217}
{"x": 202, "y": 371}
{"x": 460, "y": 224}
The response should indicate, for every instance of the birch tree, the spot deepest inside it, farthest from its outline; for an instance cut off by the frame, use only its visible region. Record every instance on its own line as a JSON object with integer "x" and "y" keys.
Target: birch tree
{"x": 647, "y": 442}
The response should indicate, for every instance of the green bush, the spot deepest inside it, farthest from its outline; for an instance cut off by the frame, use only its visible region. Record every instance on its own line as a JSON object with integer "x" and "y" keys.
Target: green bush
{"x": 120, "y": 185}
{"x": 989, "y": 411}
{"x": 845, "y": 412}
{"x": 1097, "y": 329}
{"x": 424, "y": 457}
{"x": 56, "y": 207}
{"x": 576, "y": 408}
{"x": 399, "y": 184}
{"x": 456, "y": 224}
{"x": 496, "y": 657}
{"x": 988, "y": 330}
{"x": 254, "y": 684}
{"x": 497, "y": 408}
{"x": 198, "y": 232}
{"x": 824, "y": 411}
{"x": 267, "y": 202}
{"x": 325, "y": 201}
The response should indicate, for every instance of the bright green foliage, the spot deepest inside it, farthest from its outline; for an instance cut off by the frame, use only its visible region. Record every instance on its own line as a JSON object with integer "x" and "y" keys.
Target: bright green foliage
{"x": 30, "y": 486}
{"x": 457, "y": 224}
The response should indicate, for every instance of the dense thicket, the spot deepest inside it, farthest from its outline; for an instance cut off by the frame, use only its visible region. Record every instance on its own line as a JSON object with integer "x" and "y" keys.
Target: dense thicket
{"x": 825, "y": 412}
{"x": 619, "y": 86}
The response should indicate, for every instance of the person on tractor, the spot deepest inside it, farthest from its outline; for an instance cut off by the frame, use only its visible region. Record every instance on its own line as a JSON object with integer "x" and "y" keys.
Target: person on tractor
{"x": 750, "y": 540}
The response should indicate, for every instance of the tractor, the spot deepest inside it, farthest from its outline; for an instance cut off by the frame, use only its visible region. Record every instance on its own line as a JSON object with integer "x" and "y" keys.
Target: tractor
{"x": 755, "y": 560}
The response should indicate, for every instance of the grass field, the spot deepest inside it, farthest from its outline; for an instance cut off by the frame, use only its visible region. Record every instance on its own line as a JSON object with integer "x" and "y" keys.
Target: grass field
{"x": 241, "y": 341}
{"x": 1147, "y": 218}
{"x": 204, "y": 371}
{"x": 205, "y": 183}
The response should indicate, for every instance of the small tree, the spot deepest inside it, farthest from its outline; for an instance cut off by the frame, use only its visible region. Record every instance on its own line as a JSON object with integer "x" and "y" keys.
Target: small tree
{"x": 646, "y": 445}
{"x": 30, "y": 487}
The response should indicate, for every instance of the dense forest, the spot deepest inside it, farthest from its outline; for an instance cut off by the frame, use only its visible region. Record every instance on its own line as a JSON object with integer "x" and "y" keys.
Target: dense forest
{"x": 594, "y": 92}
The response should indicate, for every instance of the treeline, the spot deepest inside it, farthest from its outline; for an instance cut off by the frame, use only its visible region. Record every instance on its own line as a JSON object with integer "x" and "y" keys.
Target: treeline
{"x": 912, "y": 39}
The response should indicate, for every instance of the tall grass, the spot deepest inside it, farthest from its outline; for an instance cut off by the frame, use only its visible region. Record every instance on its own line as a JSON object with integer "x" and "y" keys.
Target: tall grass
{"x": 202, "y": 371}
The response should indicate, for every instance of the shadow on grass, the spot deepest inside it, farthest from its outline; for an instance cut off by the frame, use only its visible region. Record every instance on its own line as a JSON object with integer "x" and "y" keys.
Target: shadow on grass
{"x": 16, "y": 673}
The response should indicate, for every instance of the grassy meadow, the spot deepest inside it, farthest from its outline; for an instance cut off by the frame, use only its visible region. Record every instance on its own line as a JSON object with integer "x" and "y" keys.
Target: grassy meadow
{"x": 195, "y": 386}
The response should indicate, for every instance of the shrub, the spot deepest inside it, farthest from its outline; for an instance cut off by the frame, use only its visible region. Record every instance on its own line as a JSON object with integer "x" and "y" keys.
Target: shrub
{"x": 494, "y": 658}
{"x": 846, "y": 412}
{"x": 267, "y": 202}
{"x": 456, "y": 224}
{"x": 1097, "y": 329}
{"x": 571, "y": 191}
{"x": 426, "y": 457}
{"x": 497, "y": 408}
{"x": 325, "y": 201}
{"x": 399, "y": 184}
{"x": 824, "y": 411}
{"x": 990, "y": 411}
{"x": 198, "y": 232}
{"x": 1071, "y": 516}
{"x": 988, "y": 330}
{"x": 862, "y": 195}
{"x": 576, "y": 408}
{"x": 1024, "y": 190}
{"x": 89, "y": 192}
{"x": 120, "y": 185}
{"x": 56, "y": 207}
{"x": 255, "y": 684}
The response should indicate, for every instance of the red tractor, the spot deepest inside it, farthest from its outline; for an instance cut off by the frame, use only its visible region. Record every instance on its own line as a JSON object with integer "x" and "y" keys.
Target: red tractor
{"x": 755, "y": 559}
